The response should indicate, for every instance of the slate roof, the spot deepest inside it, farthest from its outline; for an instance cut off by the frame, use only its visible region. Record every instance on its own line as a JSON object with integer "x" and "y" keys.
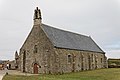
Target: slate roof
{"x": 70, "y": 40}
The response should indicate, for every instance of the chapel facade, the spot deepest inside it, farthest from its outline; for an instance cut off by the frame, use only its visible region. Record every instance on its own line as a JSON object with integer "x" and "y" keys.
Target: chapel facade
{"x": 54, "y": 51}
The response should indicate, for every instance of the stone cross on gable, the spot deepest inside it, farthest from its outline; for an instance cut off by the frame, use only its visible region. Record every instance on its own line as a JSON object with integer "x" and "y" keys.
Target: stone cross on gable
{"x": 37, "y": 14}
{"x": 37, "y": 17}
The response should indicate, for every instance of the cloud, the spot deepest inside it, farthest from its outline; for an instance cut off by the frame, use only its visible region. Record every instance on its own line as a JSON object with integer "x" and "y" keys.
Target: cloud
{"x": 113, "y": 54}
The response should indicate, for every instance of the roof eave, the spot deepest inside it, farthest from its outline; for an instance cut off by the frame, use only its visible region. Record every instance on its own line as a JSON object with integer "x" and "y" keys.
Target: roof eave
{"x": 79, "y": 50}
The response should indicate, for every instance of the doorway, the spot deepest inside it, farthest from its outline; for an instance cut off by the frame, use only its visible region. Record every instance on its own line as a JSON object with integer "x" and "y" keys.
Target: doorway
{"x": 35, "y": 68}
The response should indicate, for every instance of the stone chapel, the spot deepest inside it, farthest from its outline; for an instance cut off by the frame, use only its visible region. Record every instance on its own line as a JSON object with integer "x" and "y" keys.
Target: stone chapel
{"x": 51, "y": 50}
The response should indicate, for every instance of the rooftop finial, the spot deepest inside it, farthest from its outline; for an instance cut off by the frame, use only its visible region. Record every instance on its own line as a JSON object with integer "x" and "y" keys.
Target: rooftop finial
{"x": 36, "y": 8}
{"x": 16, "y": 54}
{"x": 37, "y": 13}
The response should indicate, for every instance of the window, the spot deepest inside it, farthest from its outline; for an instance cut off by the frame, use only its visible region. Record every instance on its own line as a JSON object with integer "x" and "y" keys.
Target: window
{"x": 79, "y": 59}
{"x": 69, "y": 59}
{"x": 89, "y": 62}
{"x": 92, "y": 57}
{"x": 101, "y": 60}
{"x": 35, "y": 49}
{"x": 82, "y": 62}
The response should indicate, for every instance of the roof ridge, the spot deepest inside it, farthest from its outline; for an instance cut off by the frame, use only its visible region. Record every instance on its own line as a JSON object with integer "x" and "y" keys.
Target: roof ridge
{"x": 66, "y": 31}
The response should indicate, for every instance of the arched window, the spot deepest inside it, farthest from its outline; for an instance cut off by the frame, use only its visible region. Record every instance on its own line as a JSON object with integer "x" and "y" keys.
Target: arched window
{"x": 89, "y": 62}
{"x": 82, "y": 62}
{"x": 101, "y": 60}
{"x": 92, "y": 57}
{"x": 35, "y": 49}
{"x": 69, "y": 59}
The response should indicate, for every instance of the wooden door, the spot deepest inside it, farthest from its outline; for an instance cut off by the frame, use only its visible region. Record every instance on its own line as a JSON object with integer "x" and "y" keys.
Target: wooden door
{"x": 35, "y": 68}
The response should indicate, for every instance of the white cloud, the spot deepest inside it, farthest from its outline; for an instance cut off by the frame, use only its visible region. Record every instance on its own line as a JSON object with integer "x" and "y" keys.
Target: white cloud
{"x": 113, "y": 54}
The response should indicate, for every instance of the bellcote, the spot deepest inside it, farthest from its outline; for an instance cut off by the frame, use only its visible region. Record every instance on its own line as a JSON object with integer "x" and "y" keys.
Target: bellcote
{"x": 37, "y": 16}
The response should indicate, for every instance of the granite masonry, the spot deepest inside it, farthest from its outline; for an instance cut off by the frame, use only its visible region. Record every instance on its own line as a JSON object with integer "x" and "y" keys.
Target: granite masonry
{"x": 50, "y": 50}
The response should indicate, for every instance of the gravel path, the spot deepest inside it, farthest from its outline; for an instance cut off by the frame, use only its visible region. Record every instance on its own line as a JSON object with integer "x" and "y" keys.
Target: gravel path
{"x": 2, "y": 73}
{"x": 13, "y": 72}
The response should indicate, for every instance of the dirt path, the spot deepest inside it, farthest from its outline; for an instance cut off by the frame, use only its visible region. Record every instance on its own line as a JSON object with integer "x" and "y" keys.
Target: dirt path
{"x": 13, "y": 72}
{"x": 2, "y": 73}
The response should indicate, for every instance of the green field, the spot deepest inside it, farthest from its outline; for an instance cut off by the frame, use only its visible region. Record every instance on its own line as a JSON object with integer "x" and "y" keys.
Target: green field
{"x": 101, "y": 74}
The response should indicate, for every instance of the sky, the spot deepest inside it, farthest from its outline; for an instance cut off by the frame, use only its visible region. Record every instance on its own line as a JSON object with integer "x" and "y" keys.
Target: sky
{"x": 96, "y": 18}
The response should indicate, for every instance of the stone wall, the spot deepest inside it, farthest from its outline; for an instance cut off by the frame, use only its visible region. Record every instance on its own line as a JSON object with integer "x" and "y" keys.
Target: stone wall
{"x": 38, "y": 49}
{"x": 80, "y": 60}
{"x": 44, "y": 56}
{"x": 11, "y": 64}
{"x": 55, "y": 60}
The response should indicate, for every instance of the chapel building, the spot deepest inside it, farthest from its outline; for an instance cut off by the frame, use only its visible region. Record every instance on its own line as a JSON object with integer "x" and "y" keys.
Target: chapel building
{"x": 54, "y": 51}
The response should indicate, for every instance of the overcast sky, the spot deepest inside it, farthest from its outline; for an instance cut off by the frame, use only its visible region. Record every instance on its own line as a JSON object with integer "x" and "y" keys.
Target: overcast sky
{"x": 99, "y": 19}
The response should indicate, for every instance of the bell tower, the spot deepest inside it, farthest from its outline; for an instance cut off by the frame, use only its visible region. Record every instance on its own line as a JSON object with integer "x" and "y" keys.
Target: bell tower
{"x": 37, "y": 16}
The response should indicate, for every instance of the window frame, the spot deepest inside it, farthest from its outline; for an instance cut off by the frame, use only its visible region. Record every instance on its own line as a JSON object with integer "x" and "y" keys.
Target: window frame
{"x": 35, "y": 49}
{"x": 69, "y": 58}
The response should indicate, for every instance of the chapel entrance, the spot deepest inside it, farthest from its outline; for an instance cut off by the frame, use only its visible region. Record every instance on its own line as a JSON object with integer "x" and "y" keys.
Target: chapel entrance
{"x": 35, "y": 68}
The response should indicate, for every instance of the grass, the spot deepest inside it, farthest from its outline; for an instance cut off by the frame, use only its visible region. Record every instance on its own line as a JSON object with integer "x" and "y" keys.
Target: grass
{"x": 101, "y": 74}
